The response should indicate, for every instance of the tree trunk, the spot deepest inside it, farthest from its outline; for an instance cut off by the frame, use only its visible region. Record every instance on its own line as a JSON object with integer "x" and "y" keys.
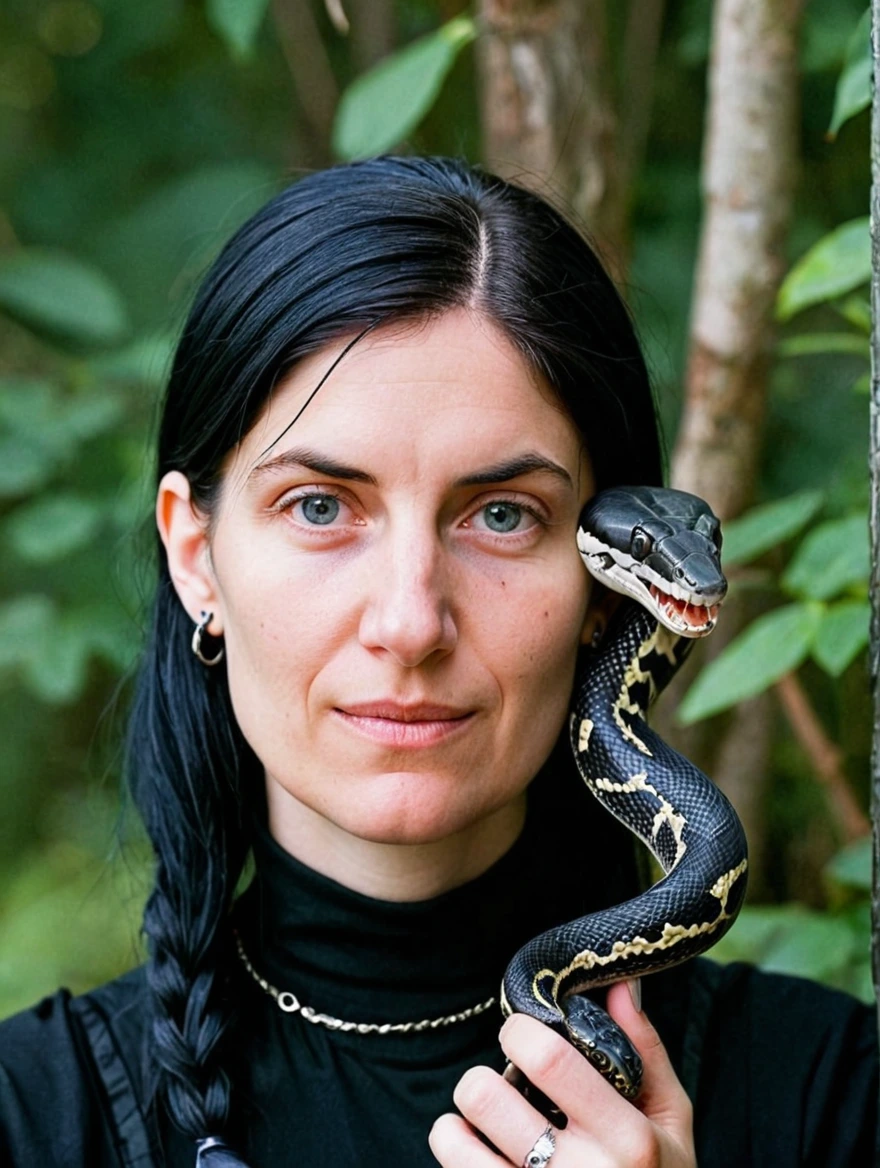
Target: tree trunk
{"x": 749, "y": 171}
{"x": 749, "y": 168}
{"x": 548, "y": 110}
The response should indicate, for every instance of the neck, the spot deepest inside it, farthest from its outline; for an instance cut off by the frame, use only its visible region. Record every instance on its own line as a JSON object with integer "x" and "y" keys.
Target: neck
{"x": 391, "y": 871}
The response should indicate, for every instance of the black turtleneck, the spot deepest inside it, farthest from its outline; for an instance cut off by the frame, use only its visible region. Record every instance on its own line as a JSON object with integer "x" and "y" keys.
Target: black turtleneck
{"x": 301, "y": 1086}
{"x": 782, "y": 1072}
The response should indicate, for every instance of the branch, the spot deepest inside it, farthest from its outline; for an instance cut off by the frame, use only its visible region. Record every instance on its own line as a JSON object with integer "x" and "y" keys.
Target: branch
{"x": 373, "y": 31}
{"x": 825, "y": 756}
{"x": 313, "y": 80}
{"x": 644, "y": 23}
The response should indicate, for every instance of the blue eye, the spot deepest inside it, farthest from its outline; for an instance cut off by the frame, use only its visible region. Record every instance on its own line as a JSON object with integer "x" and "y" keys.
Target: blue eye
{"x": 319, "y": 509}
{"x": 502, "y": 517}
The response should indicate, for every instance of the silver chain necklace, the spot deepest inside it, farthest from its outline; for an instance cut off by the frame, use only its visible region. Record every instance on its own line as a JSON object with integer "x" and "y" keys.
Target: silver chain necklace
{"x": 291, "y": 1004}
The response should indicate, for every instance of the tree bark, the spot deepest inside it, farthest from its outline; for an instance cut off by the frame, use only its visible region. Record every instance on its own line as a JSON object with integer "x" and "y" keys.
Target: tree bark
{"x": 548, "y": 110}
{"x": 749, "y": 168}
{"x": 875, "y": 495}
{"x": 749, "y": 171}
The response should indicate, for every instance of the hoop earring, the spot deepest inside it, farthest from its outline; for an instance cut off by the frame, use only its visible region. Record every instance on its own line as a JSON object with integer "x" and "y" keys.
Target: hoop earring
{"x": 201, "y": 627}
{"x": 596, "y": 639}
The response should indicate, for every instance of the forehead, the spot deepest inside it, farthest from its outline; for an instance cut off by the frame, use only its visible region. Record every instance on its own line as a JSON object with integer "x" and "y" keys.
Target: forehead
{"x": 428, "y": 394}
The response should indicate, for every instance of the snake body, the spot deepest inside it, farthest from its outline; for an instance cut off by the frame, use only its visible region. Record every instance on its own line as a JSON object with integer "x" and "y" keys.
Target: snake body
{"x": 662, "y": 548}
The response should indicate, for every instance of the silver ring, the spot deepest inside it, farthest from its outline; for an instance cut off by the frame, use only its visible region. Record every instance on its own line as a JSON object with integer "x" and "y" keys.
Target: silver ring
{"x": 544, "y": 1147}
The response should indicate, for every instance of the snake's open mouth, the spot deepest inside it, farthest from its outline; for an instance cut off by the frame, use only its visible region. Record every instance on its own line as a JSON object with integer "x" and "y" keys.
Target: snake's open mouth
{"x": 679, "y": 611}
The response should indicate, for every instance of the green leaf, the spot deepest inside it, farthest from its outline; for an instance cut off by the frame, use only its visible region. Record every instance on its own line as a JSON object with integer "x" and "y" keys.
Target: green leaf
{"x": 24, "y": 468}
{"x": 52, "y": 527}
{"x": 57, "y": 674}
{"x": 767, "y": 525}
{"x": 61, "y": 297}
{"x": 382, "y": 106}
{"x": 24, "y": 623}
{"x": 862, "y": 385}
{"x": 27, "y": 404}
{"x": 237, "y": 23}
{"x": 38, "y": 411}
{"x": 811, "y": 343}
{"x": 838, "y": 263}
{"x": 842, "y": 635}
{"x": 177, "y": 229}
{"x": 771, "y": 646}
{"x": 145, "y": 361}
{"x": 854, "y": 84}
{"x": 789, "y": 939}
{"x": 852, "y": 865}
{"x": 830, "y": 559}
{"x": 811, "y": 945}
{"x": 86, "y": 417}
{"x": 856, "y": 310}
{"x": 110, "y": 635}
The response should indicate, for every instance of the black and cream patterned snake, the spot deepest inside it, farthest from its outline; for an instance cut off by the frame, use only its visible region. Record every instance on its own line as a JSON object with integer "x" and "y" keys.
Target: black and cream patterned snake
{"x": 661, "y": 548}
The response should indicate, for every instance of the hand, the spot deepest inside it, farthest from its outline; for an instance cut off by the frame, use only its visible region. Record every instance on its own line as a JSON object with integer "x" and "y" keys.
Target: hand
{"x": 604, "y": 1130}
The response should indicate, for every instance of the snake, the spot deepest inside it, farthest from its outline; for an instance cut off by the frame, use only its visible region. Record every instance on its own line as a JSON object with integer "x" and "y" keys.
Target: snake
{"x": 660, "y": 548}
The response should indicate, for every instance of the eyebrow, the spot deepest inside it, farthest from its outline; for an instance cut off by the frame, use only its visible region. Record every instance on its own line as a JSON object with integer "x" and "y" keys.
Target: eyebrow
{"x": 322, "y": 464}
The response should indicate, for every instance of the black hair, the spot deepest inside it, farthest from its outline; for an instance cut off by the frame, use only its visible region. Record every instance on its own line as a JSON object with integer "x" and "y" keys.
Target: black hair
{"x": 342, "y": 251}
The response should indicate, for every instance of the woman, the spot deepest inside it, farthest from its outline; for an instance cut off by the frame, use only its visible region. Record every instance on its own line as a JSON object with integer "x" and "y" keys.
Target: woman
{"x": 397, "y": 386}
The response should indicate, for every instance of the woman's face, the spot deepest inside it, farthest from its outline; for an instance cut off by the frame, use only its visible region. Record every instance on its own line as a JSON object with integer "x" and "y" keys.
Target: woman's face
{"x": 397, "y": 581}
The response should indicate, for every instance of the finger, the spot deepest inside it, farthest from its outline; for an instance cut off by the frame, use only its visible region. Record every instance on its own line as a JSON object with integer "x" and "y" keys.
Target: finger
{"x": 555, "y": 1067}
{"x": 494, "y": 1107}
{"x": 455, "y": 1144}
{"x": 594, "y": 1109}
{"x": 662, "y": 1098}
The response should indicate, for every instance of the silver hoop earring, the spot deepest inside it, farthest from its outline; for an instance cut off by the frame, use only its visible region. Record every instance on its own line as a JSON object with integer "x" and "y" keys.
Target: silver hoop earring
{"x": 204, "y": 620}
{"x": 596, "y": 639}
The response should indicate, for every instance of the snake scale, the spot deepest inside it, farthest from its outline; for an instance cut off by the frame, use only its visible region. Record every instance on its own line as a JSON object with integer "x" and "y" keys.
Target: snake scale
{"x": 661, "y": 548}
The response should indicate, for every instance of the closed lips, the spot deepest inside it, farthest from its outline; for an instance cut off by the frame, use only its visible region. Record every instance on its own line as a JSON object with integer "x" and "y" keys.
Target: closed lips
{"x": 397, "y": 713}
{"x": 404, "y": 727}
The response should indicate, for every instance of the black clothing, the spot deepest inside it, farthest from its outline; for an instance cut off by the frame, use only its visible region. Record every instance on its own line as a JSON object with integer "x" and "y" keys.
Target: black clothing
{"x": 783, "y": 1072}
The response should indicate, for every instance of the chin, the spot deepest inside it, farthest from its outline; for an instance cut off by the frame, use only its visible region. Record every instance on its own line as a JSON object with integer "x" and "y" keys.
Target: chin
{"x": 412, "y": 809}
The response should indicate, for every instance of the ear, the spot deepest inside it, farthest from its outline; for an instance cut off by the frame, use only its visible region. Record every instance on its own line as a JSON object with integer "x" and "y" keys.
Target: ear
{"x": 184, "y": 532}
{"x": 603, "y": 605}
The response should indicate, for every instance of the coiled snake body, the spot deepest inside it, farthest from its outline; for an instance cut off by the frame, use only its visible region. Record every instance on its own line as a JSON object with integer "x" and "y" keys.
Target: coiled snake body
{"x": 660, "y": 547}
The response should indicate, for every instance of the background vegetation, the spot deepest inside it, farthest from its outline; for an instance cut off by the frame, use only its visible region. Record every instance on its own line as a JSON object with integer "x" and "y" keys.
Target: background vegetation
{"x": 133, "y": 139}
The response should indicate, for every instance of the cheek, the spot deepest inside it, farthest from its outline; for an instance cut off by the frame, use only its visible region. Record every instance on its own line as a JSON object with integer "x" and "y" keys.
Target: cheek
{"x": 535, "y": 631}
{"x": 284, "y": 621}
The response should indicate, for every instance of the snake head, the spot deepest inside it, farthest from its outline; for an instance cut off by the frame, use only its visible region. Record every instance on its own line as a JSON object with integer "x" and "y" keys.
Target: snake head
{"x": 598, "y": 1037}
{"x": 660, "y": 546}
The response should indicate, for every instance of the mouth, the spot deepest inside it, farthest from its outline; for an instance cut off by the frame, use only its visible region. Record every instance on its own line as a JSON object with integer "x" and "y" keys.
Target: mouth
{"x": 402, "y": 712}
{"x": 684, "y": 615}
{"x": 403, "y": 726}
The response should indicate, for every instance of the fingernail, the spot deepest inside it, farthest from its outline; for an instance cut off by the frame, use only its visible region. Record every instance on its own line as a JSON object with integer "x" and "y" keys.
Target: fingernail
{"x": 635, "y": 992}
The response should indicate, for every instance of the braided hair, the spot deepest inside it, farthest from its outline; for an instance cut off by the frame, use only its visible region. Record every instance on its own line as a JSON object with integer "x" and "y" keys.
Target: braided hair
{"x": 343, "y": 250}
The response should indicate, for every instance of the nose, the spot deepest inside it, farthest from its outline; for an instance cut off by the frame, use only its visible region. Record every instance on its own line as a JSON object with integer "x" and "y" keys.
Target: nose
{"x": 408, "y": 614}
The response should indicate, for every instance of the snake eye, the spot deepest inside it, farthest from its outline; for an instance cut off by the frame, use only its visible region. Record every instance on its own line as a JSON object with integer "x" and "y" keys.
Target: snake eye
{"x": 640, "y": 544}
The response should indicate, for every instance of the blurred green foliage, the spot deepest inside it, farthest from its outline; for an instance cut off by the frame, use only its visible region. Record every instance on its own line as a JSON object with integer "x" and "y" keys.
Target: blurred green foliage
{"x": 133, "y": 139}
